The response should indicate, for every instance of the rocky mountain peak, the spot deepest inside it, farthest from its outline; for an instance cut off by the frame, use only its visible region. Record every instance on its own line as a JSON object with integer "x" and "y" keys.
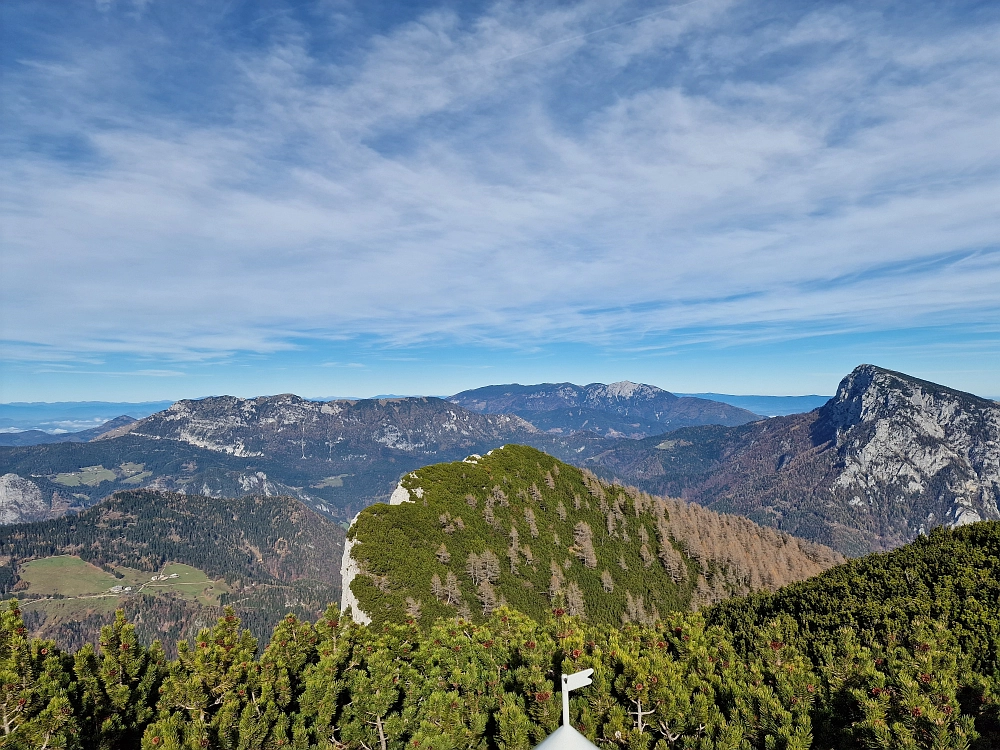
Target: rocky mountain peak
{"x": 624, "y": 390}
{"x": 870, "y": 395}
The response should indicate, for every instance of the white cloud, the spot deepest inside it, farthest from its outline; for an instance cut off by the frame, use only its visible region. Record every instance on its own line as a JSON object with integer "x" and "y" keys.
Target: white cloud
{"x": 830, "y": 172}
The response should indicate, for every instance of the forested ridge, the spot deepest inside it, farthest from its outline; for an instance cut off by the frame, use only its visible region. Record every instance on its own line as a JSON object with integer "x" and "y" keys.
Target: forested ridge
{"x": 519, "y": 527}
{"x": 771, "y": 671}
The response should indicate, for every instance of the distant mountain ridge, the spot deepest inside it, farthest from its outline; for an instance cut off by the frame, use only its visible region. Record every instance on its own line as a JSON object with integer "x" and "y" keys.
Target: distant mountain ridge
{"x": 640, "y": 409}
{"x": 71, "y": 416}
{"x": 887, "y": 458}
{"x": 292, "y": 427}
{"x": 336, "y": 457}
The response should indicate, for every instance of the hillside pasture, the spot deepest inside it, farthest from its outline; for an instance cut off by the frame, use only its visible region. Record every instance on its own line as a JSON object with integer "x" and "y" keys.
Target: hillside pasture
{"x": 91, "y": 476}
{"x": 65, "y": 575}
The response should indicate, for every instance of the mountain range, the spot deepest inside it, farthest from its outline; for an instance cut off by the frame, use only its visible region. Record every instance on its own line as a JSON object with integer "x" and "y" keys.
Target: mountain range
{"x": 889, "y": 456}
{"x": 886, "y": 459}
{"x": 623, "y": 409}
{"x": 335, "y": 456}
{"x": 40, "y": 437}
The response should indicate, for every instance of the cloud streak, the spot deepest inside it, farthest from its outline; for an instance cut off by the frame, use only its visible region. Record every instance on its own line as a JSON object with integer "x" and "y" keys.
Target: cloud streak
{"x": 698, "y": 171}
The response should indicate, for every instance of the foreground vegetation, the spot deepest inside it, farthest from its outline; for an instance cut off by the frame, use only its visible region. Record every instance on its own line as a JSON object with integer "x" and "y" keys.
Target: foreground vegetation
{"x": 775, "y": 671}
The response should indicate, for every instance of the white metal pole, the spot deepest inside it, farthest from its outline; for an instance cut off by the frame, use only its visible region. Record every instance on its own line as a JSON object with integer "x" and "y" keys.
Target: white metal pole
{"x": 565, "y": 697}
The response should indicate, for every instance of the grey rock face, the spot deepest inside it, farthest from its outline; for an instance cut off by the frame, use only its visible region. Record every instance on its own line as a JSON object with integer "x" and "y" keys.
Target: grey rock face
{"x": 21, "y": 500}
{"x": 908, "y": 442}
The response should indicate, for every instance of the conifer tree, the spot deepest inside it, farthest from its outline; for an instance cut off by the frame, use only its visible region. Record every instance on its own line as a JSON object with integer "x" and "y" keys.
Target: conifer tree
{"x": 118, "y": 687}
{"x": 35, "y": 681}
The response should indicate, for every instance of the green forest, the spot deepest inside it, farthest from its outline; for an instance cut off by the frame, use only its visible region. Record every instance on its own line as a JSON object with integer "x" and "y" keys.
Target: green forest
{"x": 895, "y": 650}
{"x": 517, "y": 527}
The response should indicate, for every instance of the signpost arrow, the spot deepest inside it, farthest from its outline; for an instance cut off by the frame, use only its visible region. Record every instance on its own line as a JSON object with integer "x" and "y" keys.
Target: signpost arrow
{"x": 572, "y": 682}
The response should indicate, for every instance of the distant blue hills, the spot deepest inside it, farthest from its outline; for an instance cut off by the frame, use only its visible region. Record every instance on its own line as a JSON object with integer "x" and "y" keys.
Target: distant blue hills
{"x": 767, "y": 406}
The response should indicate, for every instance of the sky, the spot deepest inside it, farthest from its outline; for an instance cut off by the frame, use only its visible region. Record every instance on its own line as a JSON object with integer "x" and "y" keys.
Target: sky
{"x": 337, "y": 198}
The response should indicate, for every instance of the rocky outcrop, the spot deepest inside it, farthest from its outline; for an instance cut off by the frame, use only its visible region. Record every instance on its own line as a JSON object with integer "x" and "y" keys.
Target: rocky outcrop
{"x": 887, "y": 458}
{"x": 21, "y": 500}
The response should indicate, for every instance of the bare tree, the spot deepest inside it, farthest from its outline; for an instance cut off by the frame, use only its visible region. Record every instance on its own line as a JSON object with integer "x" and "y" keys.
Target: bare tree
{"x": 550, "y": 480}
{"x": 471, "y": 501}
{"x": 529, "y": 517}
{"x": 487, "y": 597}
{"x": 583, "y": 544}
{"x": 575, "y": 604}
{"x": 607, "y": 582}
{"x": 474, "y": 567}
{"x": 442, "y": 554}
{"x": 490, "y": 564}
{"x": 413, "y": 607}
{"x": 561, "y": 511}
{"x": 555, "y": 580}
{"x": 500, "y": 497}
{"x": 513, "y": 549}
{"x": 452, "y": 592}
{"x": 436, "y": 588}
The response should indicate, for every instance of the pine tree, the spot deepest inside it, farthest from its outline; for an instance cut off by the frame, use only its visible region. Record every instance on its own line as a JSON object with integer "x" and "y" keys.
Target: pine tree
{"x": 35, "y": 680}
{"x": 119, "y": 687}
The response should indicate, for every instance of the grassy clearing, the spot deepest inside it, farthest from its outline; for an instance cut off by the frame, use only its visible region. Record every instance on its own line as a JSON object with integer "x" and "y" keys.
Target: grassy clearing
{"x": 138, "y": 478}
{"x": 129, "y": 469}
{"x": 337, "y": 481}
{"x": 190, "y": 583}
{"x": 70, "y": 576}
{"x": 66, "y": 575}
{"x": 90, "y": 476}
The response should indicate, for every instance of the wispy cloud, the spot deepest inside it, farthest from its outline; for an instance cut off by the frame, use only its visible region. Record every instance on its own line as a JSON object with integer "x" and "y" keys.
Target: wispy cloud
{"x": 505, "y": 176}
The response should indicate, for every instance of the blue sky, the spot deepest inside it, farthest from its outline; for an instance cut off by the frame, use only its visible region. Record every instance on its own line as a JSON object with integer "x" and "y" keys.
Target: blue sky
{"x": 337, "y": 198}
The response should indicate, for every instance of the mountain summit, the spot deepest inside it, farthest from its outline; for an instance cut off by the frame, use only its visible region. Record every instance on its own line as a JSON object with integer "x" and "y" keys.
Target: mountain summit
{"x": 887, "y": 458}
{"x": 623, "y": 409}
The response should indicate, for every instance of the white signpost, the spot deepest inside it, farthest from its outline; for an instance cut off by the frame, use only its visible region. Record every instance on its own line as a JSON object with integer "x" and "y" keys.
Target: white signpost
{"x": 566, "y": 737}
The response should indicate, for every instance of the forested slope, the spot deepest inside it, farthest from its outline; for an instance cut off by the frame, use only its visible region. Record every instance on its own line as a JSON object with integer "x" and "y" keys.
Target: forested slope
{"x": 274, "y": 554}
{"x": 519, "y": 527}
{"x": 949, "y": 576}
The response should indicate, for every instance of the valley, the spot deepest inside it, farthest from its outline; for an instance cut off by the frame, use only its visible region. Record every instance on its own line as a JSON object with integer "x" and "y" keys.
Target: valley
{"x": 173, "y": 561}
